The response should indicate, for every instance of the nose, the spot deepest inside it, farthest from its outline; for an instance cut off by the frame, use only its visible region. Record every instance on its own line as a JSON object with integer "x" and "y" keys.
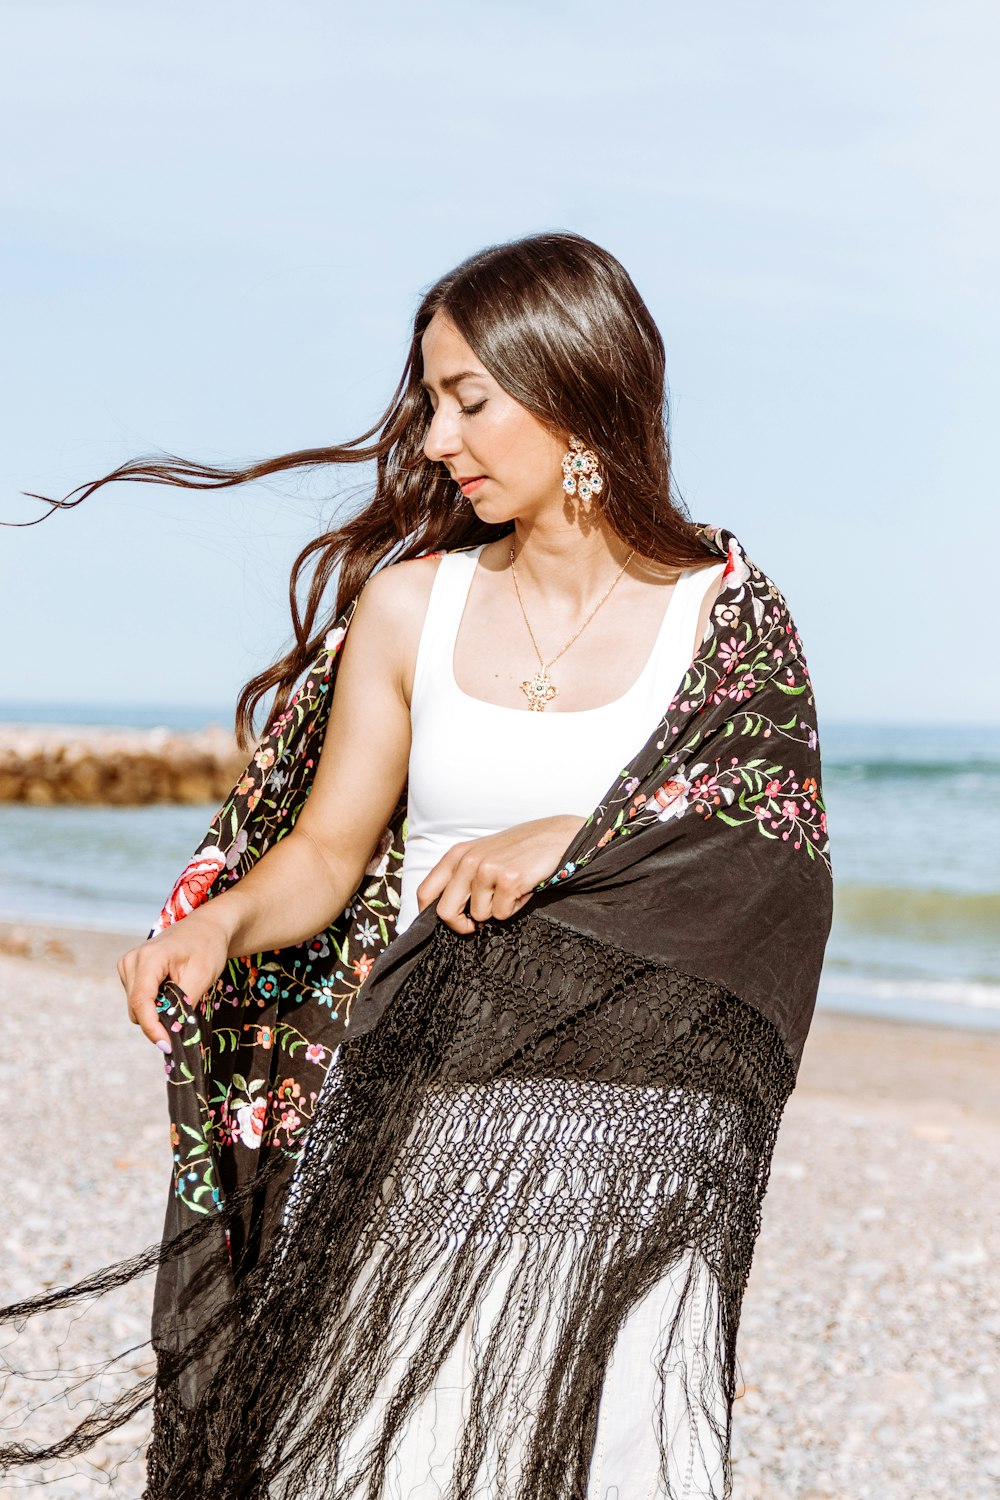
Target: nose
{"x": 442, "y": 441}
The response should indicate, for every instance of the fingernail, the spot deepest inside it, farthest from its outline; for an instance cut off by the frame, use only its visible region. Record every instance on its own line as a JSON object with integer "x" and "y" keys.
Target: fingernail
{"x": 165, "y": 1047}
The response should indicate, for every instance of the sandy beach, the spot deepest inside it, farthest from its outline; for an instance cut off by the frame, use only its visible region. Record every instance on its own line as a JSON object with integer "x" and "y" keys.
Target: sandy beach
{"x": 870, "y": 1337}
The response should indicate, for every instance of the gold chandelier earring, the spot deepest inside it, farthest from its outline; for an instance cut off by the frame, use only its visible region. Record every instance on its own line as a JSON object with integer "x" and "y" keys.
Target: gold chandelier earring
{"x": 581, "y": 471}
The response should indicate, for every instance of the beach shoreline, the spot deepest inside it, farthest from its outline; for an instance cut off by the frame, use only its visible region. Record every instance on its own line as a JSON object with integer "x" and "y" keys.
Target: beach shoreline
{"x": 871, "y": 1318}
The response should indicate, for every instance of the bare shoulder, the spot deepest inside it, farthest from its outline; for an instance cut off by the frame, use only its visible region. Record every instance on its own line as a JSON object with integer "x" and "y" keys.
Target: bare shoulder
{"x": 391, "y": 608}
{"x": 399, "y": 588}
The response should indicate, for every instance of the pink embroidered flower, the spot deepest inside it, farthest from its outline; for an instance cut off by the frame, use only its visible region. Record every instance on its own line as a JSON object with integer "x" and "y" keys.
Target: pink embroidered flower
{"x": 315, "y": 1054}
{"x": 192, "y": 885}
{"x": 363, "y": 966}
{"x": 743, "y": 688}
{"x": 730, "y": 652}
{"x": 789, "y": 808}
{"x": 773, "y": 788}
{"x": 331, "y": 643}
{"x": 264, "y": 759}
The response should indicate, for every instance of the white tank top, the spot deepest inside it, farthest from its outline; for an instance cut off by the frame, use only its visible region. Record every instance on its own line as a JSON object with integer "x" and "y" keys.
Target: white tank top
{"x": 476, "y": 768}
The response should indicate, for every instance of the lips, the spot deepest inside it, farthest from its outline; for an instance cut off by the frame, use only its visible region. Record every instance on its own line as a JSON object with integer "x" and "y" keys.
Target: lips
{"x": 471, "y": 483}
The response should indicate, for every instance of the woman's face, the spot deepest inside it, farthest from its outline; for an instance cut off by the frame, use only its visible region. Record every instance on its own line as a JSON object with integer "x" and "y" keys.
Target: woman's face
{"x": 481, "y": 434}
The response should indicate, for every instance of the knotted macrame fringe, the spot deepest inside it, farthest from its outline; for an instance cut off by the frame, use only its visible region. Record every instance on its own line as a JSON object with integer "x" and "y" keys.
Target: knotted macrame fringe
{"x": 493, "y": 1173}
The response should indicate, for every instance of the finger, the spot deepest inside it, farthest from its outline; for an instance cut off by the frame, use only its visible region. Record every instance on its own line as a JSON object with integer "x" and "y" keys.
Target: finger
{"x": 482, "y": 894}
{"x": 437, "y": 878}
{"x": 452, "y": 903}
{"x": 506, "y": 895}
{"x": 147, "y": 1016}
{"x": 147, "y": 979}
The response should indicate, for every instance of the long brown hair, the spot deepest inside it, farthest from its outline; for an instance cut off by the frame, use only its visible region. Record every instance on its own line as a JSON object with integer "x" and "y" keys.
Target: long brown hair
{"x": 559, "y": 324}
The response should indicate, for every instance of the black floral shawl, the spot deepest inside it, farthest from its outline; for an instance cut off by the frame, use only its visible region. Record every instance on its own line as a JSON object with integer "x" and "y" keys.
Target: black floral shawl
{"x": 365, "y": 1124}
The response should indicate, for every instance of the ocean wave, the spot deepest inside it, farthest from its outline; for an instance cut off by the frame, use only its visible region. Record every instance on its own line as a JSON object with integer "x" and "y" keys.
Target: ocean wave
{"x": 887, "y": 768}
{"x": 913, "y": 991}
{"x": 928, "y": 914}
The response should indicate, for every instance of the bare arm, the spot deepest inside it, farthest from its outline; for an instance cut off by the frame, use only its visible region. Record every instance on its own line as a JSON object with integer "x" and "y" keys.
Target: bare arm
{"x": 303, "y": 882}
{"x": 306, "y": 880}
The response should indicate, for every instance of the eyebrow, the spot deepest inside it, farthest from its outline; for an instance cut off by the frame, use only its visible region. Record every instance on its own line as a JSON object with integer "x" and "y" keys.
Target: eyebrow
{"x": 449, "y": 382}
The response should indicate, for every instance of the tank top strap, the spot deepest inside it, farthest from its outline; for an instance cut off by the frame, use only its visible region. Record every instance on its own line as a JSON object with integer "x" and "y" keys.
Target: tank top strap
{"x": 675, "y": 640}
{"x": 445, "y": 606}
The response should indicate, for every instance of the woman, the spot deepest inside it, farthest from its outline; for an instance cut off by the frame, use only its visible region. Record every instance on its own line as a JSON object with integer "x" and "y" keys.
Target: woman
{"x": 488, "y": 991}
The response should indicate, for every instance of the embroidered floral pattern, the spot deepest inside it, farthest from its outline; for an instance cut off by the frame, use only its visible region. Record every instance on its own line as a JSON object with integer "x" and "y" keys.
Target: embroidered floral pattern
{"x": 751, "y": 654}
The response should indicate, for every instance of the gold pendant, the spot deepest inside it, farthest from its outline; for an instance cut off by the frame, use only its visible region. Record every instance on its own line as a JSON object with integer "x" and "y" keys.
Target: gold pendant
{"x": 540, "y": 690}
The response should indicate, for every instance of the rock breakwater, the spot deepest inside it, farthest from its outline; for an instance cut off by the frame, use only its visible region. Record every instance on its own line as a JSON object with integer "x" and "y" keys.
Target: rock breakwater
{"x": 48, "y": 764}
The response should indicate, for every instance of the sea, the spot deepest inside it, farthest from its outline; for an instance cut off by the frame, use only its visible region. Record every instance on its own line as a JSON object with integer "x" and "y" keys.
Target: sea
{"x": 914, "y": 819}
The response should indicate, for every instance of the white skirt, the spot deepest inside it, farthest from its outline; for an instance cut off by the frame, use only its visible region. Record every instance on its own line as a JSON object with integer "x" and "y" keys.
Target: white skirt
{"x": 626, "y": 1463}
{"x": 645, "y": 1396}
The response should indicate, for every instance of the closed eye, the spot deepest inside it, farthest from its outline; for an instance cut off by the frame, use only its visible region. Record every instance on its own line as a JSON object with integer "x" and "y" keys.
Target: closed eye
{"x": 470, "y": 411}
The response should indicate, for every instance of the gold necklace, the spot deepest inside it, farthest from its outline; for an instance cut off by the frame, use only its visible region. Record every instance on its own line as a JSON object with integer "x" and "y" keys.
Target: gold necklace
{"x": 540, "y": 689}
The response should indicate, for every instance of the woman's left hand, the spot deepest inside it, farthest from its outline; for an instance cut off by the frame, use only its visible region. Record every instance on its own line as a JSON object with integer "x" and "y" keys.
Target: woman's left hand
{"x": 495, "y": 875}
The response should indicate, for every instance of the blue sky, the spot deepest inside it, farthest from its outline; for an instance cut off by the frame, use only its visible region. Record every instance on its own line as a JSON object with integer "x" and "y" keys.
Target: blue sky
{"x": 216, "y": 224}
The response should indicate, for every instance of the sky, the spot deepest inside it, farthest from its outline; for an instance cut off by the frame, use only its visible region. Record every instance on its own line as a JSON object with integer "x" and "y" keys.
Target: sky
{"x": 216, "y": 224}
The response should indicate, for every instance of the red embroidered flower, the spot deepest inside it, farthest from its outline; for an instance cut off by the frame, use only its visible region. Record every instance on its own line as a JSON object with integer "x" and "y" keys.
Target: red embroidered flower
{"x": 736, "y": 571}
{"x": 193, "y": 885}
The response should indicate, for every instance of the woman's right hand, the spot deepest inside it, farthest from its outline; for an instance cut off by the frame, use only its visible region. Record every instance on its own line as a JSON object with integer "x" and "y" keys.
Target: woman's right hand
{"x": 193, "y": 953}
